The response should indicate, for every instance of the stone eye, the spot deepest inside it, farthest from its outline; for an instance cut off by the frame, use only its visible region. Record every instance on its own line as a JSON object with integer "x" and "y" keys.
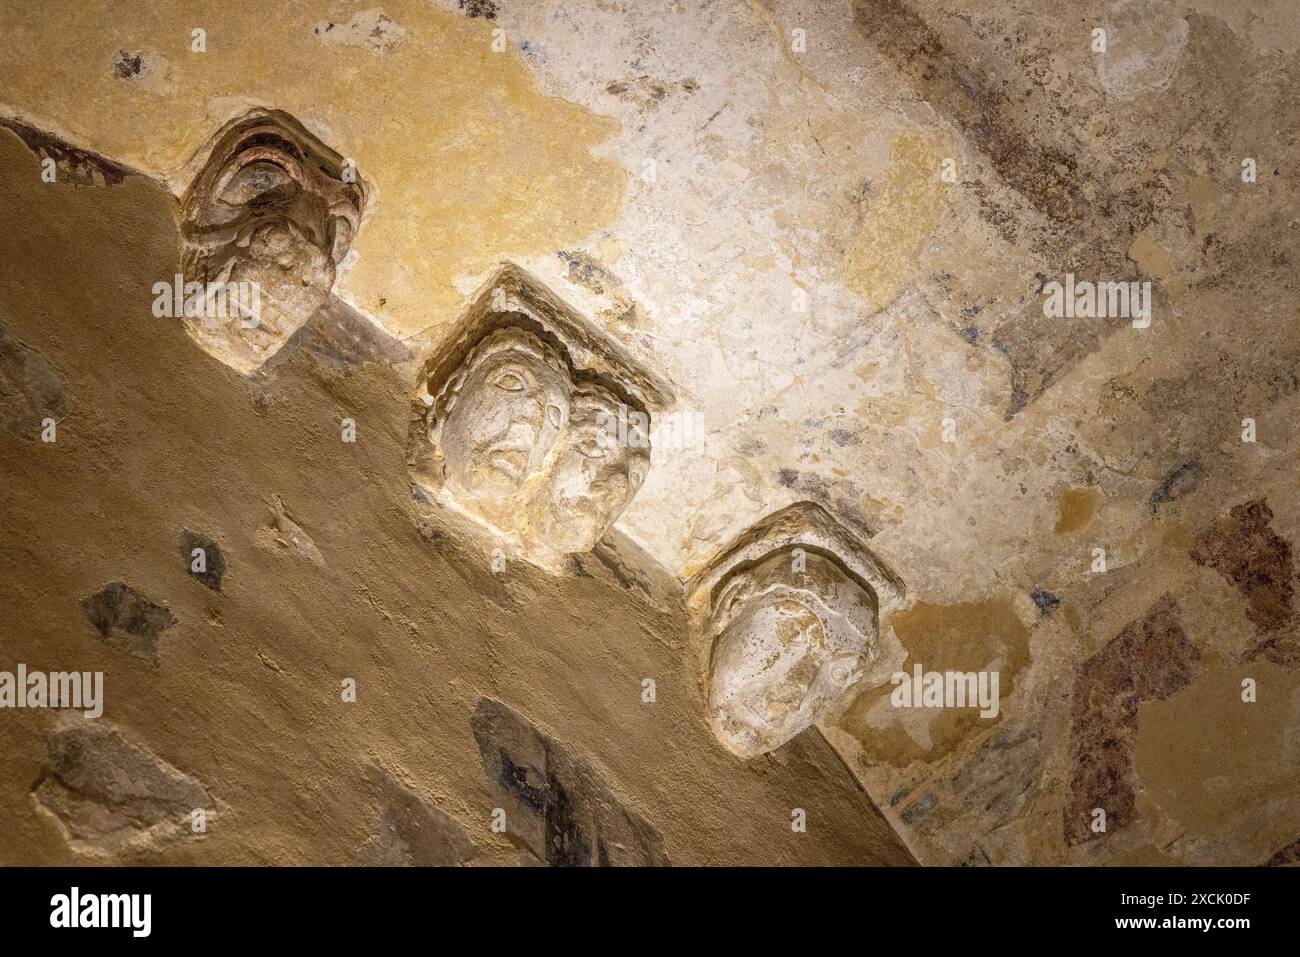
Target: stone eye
{"x": 510, "y": 382}
{"x": 256, "y": 184}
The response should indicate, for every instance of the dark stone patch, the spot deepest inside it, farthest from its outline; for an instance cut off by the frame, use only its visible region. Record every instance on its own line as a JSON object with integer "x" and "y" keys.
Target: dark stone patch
{"x": 556, "y": 805}
{"x": 1281, "y": 650}
{"x": 589, "y": 272}
{"x": 1178, "y": 483}
{"x": 970, "y": 333}
{"x": 919, "y": 808}
{"x": 31, "y": 389}
{"x": 996, "y": 782}
{"x": 214, "y": 561}
{"x": 1148, "y": 660}
{"x": 410, "y": 831}
{"x": 127, "y": 65}
{"x": 1287, "y": 855}
{"x": 487, "y": 9}
{"x": 1045, "y": 600}
{"x": 900, "y": 794}
{"x": 1243, "y": 548}
{"x": 127, "y": 620}
{"x": 843, "y": 437}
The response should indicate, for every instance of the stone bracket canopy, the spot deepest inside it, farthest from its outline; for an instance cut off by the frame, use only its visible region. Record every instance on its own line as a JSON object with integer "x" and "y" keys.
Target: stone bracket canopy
{"x": 804, "y": 524}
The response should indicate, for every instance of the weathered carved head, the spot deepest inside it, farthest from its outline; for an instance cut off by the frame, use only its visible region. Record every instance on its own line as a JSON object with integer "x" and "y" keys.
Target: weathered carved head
{"x": 499, "y": 415}
{"x": 601, "y": 462}
{"x": 790, "y": 634}
{"x": 270, "y": 207}
{"x": 528, "y": 421}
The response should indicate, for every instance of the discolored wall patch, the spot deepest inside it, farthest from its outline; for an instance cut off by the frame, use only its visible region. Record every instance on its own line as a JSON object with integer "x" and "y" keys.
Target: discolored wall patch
{"x": 903, "y": 214}
{"x": 1243, "y": 548}
{"x": 1148, "y": 660}
{"x": 127, "y": 620}
{"x": 966, "y": 637}
{"x": 410, "y": 831}
{"x": 1077, "y": 510}
{"x": 1222, "y": 766}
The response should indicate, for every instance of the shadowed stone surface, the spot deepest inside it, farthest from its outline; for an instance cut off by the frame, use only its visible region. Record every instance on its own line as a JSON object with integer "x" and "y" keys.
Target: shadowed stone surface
{"x": 127, "y": 620}
{"x": 555, "y": 803}
{"x": 1149, "y": 660}
{"x": 111, "y": 795}
{"x": 410, "y": 831}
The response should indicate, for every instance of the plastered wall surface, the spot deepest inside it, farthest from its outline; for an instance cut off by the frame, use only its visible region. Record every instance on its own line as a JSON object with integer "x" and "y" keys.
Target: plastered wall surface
{"x": 764, "y": 221}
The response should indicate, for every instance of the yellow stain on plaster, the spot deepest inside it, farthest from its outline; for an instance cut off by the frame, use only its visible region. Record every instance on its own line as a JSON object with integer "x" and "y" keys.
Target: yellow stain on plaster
{"x": 471, "y": 163}
{"x": 971, "y": 636}
{"x": 1078, "y": 508}
{"x": 905, "y": 211}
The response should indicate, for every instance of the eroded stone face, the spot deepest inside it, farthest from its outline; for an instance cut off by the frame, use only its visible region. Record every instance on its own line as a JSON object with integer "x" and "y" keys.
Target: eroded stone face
{"x": 500, "y": 417}
{"x": 595, "y": 474}
{"x": 270, "y": 208}
{"x": 791, "y": 634}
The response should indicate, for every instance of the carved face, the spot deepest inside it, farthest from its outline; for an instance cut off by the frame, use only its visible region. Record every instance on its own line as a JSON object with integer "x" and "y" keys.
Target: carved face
{"x": 270, "y": 207}
{"x": 501, "y": 416}
{"x": 787, "y": 644}
{"x": 601, "y": 463}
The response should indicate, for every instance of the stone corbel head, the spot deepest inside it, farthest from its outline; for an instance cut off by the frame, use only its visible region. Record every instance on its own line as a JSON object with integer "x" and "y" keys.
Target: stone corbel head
{"x": 272, "y": 211}
{"x": 789, "y": 616}
{"x": 497, "y": 419}
{"x": 532, "y": 423}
